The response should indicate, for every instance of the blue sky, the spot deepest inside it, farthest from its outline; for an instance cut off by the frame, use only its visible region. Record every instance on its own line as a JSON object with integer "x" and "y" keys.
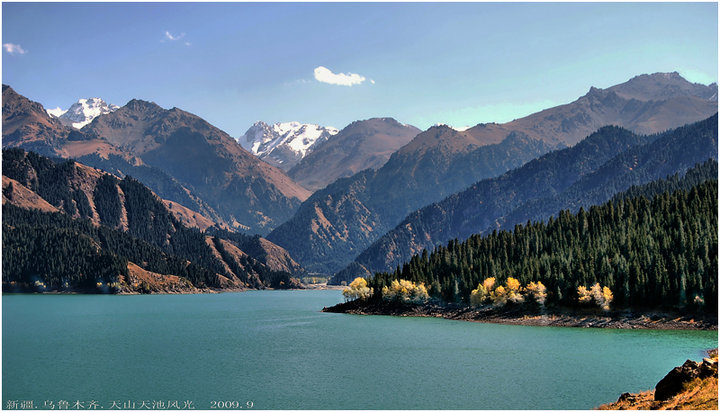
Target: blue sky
{"x": 421, "y": 63}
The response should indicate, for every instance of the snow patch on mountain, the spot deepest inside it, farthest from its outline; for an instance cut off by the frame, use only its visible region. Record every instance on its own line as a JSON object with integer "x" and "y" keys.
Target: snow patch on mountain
{"x": 284, "y": 144}
{"x": 56, "y": 112}
{"x": 82, "y": 112}
{"x": 458, "y": 129}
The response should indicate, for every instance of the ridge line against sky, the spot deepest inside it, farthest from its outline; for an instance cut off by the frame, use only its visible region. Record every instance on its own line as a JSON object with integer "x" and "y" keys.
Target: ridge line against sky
{"x": 333, "y": 63}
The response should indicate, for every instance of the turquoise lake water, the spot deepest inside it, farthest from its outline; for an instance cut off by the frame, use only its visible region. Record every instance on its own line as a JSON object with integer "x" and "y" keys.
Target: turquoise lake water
{"x": 276, "y": 350}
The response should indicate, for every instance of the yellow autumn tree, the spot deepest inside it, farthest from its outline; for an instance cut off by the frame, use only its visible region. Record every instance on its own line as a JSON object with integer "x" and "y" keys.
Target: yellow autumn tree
{"x": 607, "y": 298}
{"x": 537, "y": 291}
{"x": 358, "y": 289}
{"x": 499, "y": 296}
{"x": 481, "y": 294}
{"x": 602, "y": 296}
{"x": 514, "y": 291}
{"x": 405, "y": 291}
{"x": 584, "y": 294}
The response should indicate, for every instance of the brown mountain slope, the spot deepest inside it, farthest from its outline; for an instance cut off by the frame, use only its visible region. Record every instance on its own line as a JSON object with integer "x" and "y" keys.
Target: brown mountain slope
{"x": 17, "y": 194}
{"x": 644, "y": 104}
{"x": 649, "y": 103}
{"x": 26, "y": 124}
{"x": 240, "y": 187}
{"x": 364, "y": 144}
{"x": 188, "y": 217}
{"x": 176, "y": 153}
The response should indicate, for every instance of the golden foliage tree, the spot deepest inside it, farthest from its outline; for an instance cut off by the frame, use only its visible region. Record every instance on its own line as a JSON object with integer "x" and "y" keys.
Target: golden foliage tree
{"x": 481, "y": 294}
{"x": 537, "y": 291}
{"x": 499, "y": 296}
{"x": 514, "y": 290}
{"x": 405, "y": 291}
{"x": 358, "y": 289}
{"x": 601, "y": 295}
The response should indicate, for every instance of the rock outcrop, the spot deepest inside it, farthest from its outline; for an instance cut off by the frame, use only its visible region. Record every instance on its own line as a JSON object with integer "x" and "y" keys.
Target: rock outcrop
{"x": 675, "y": 381}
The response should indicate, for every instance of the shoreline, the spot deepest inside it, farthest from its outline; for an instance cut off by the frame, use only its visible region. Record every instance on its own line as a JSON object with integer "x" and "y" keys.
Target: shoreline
{"x": 187, "y": 291}
{"x": 550, "y": 317}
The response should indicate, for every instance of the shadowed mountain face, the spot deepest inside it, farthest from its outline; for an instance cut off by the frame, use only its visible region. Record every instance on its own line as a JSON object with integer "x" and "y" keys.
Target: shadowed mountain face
{"x": 364, "y": 144}
{"x": 25, "y": 124}
{"x": 607, "y": 162}
{"x": 337, "y": 223}
{"x": 126, "y": 210}
{"x": 177, "y": 153}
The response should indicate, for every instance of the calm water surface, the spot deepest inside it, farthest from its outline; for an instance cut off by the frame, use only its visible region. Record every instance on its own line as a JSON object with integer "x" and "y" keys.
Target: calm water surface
{"x": 277, "y": 350}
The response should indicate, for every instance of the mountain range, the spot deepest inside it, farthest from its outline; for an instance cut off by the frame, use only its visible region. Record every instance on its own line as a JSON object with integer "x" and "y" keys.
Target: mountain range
{"x": 337, "y": 223}
{"x": 177, "y": 154}
{"x": 343, "y": 197}
{"x": 607, "y": 162}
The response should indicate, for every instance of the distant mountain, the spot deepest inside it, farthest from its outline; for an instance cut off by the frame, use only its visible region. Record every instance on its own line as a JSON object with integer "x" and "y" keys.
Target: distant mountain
{"x": 645, "y": 104}
{"x": 591, "y": 172}
{"x": 337, "y": 223}
{"x": 83, "y": 112}
{"x": 179, "y": 155}
{"x": 126, "y": 210}
{"x": 663, "y": 86}
{"x": 284, "y": 144}
{"x": 364, "y": 144}
{"x": 236, "y": 184}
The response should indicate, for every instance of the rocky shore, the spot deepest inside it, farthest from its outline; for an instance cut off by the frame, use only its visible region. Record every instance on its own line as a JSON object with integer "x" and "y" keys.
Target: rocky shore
{"x": 535, "y": 317}
{"x": 694, "y": 385}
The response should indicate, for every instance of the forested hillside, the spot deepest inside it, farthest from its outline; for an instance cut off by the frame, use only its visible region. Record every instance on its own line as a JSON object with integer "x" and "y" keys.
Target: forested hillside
{"x": 650, "y": 253}
{"x": 107, "y": 226}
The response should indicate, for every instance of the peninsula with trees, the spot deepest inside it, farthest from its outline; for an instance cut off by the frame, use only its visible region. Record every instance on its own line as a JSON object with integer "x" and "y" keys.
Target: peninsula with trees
{"x": 645, "y": 259}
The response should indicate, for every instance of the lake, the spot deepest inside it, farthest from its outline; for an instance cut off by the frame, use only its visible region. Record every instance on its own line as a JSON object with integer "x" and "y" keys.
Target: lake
{"x": 276, "y": 350}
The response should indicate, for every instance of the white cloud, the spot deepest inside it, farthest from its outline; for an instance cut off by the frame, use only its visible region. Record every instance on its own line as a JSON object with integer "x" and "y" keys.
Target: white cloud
{"x": 187, "y": 43}
{"x": 169, "y": 36}
{"x": 325, "y": 75}
{"x": 13, "y": 48}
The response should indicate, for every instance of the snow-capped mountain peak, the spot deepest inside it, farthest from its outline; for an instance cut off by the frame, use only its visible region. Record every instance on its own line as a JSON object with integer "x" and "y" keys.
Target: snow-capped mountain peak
{"x": 83, "y": 112}
{"x": 284, "y": 144}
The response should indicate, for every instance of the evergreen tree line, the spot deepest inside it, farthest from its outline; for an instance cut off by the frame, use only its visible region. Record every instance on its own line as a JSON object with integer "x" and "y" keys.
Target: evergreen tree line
{"x": 66, "y": 253}
{"x": 658, "y": 252}
{"x": 51, "y": 258}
